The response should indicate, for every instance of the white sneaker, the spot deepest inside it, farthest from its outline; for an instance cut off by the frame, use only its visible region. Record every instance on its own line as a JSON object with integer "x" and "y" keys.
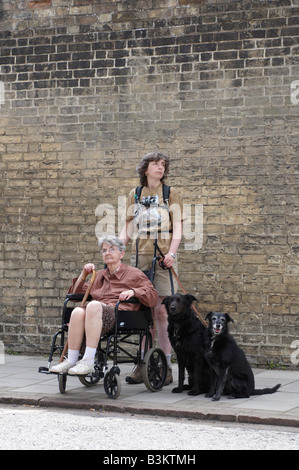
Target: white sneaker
{"x": 62, "y": 368}
{"x": 82, "y": 368}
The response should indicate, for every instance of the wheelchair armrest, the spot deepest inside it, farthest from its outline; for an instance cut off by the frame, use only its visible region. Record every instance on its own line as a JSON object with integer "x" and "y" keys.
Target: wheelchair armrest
{"x": 77, "y": 297}
{"x": 132, "y": 300}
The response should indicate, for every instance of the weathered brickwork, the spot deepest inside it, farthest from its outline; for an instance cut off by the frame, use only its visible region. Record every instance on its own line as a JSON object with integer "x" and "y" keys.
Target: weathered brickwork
{"x": 89, "y": 87}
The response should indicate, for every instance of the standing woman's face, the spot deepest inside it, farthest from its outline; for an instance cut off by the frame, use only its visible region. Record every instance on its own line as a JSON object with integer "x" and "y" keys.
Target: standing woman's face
{"x": 156, "y": 169}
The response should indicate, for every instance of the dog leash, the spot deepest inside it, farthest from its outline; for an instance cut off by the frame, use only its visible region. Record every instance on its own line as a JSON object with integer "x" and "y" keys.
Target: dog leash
{"x": 172, "y": 271}
{"x": 182, "y": 287}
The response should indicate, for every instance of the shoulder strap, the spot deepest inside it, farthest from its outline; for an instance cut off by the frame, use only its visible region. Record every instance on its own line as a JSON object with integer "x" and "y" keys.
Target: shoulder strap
{"x": 138, "y": 192}
{"x": 166, "y": 192}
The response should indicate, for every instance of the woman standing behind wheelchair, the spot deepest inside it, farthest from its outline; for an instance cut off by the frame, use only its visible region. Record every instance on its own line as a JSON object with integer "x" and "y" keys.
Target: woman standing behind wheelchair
{"x": 151, "y": 216}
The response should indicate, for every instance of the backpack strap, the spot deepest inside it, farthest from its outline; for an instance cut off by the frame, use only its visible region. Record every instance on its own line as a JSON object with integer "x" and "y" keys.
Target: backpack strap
{"x": 166, "y": 192}
{"x": 138, "y": 192}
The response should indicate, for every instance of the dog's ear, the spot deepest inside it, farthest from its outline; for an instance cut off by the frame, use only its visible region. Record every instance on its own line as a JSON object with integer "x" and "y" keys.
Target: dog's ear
{"x": 165, "y": 301}
{"x": 228, "y": 318}
{"x": 189, "y": 299}
{"x": 208, "y": 315}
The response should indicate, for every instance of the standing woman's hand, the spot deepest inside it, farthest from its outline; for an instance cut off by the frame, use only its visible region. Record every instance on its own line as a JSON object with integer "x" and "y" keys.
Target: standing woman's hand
{"x": 168, "y": 260}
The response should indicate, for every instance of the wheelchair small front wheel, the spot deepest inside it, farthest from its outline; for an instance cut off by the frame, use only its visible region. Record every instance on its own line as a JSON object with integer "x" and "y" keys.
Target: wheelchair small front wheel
{"x": 112, "y": 383}
{"x": 88, "y": 381}
{"x": 154, "y": 369}
{"x": 62, "y": 382}
{"x": 92, "y": 379}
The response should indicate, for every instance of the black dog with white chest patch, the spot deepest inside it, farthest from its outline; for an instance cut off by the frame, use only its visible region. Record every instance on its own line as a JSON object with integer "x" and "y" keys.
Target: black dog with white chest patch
{"x": 188, "y": 337}
{"x": 231, "y": 373}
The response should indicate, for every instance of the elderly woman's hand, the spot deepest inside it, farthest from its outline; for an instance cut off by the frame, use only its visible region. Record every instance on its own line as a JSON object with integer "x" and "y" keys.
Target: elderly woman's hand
{"x": 88, "y": 268}
{"x": 126, "y": 294}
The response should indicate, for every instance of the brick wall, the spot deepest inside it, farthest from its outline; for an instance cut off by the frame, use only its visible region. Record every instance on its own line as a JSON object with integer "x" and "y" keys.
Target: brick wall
{"x": 89, "y": 87}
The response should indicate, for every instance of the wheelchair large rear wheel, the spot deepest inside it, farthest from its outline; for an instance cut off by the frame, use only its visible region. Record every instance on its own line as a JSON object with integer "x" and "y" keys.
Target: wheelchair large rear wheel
{"x": 154, "y": 369}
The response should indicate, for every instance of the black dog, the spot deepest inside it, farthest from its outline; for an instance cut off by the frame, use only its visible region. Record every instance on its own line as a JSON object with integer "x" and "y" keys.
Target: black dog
{"x": 188, "y": 337}
{"x": 231, "y": 373}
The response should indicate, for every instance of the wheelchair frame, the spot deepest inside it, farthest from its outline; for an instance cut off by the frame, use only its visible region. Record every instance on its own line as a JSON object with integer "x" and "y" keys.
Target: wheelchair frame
{"x": 127, "y": 324}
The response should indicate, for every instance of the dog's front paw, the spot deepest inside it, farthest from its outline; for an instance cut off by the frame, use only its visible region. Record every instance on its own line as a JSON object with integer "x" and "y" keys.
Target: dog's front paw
{"x": 216, "y": 397}
{"x": 186, "y": 387}
{"x": 177, "y": 390}
{"x": 194, "y": 392}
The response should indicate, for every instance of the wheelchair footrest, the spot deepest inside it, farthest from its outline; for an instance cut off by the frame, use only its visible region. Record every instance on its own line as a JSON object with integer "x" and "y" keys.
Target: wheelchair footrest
{"x": 44, "y": 370}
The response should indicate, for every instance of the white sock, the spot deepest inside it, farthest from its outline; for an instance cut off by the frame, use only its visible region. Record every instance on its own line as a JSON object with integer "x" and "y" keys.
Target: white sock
{"x": 73, "y": 355}
{"x": 89, "y": 354}
{"x": 168, "y": 359}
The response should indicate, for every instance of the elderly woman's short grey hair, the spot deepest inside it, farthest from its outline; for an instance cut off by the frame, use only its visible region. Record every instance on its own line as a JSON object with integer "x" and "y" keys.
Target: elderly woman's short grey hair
{"x": 111, "y": 240}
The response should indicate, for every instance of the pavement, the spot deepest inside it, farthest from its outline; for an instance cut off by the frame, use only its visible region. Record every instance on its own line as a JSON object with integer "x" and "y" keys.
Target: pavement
{"x": 21, "y": 383}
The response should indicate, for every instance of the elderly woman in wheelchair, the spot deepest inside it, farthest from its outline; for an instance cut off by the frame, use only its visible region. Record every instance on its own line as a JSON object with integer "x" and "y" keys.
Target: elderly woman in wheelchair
{"x": 116, "y": 282}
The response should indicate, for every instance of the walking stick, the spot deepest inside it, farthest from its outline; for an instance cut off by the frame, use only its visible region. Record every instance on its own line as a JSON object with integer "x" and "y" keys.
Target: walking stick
{"x": 94, "y": 273}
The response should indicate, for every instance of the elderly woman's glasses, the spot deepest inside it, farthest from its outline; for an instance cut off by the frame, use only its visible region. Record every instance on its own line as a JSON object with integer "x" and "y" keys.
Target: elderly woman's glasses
{"x": 112, "y": 249}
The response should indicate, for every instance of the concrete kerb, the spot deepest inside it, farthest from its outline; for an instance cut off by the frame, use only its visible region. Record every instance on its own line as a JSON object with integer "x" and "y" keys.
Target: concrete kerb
{"x": 151, "y": 411}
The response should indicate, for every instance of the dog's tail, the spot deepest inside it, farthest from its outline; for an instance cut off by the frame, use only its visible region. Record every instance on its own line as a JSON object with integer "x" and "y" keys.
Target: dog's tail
{"x": 266, "y": 391}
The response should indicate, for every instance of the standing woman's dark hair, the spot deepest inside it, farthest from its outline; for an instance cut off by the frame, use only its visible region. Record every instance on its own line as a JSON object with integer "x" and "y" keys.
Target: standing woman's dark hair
{"x": 152, "y": 157}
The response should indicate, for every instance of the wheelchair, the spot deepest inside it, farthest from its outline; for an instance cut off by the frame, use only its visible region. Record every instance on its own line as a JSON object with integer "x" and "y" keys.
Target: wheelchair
{"x": 122, "y": 344}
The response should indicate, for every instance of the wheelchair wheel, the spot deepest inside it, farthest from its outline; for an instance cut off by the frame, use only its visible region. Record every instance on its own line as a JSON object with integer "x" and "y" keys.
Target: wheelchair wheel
{"x": 88, "y": 381}
{"x": 112, "y": 383}
{"x": 154, "y": 369}
{"x": 92, "y": 379}
{"x": 62, "y": 382}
